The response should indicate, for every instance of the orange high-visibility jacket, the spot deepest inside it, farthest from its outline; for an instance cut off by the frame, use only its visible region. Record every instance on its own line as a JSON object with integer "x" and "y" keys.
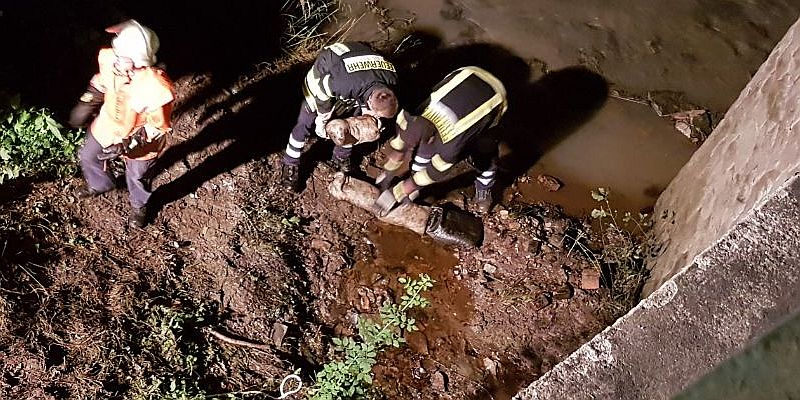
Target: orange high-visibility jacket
{"x": 130, "y": 103}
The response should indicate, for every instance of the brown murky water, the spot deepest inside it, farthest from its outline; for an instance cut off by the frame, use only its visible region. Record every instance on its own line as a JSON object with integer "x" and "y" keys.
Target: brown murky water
{"x": 706, "y": 49}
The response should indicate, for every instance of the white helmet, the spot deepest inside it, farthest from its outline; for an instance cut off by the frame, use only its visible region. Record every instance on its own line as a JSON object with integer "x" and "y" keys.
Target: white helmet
{"x": 135, "y": 41}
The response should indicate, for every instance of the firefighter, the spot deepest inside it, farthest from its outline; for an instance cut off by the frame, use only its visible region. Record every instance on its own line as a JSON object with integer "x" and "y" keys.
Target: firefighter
{"x": 453, "y": 124}
{"x": 128, "y": 105}
{"x": 347, "y": 79}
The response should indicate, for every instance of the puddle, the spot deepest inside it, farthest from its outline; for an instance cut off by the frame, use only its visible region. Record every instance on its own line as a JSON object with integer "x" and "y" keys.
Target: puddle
{"x": 441, "y": 343}
{"x": 625, "y": 147}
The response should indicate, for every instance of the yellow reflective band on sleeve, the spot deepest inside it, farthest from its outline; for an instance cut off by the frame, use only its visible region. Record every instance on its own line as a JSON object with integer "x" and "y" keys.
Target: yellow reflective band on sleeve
{"x": 312, "y": 104}
{"x": 397, "y": 143}
{"x": 440, "y": 164}
{"x": 392, "y": 165}
{"x": 402, "y": 122}
{"x": 326, "y": 85}
{"x": 398, "y": 192}
{"x": 312, "y": 82}
{"x": 422, "y": 178}
{"x": 339, "y": 48}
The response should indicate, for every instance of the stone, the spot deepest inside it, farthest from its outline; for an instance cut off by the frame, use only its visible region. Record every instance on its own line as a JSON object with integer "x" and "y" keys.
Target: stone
{"x": 491, "y": 366}
{"x": 439, "y": 381}
{"x": 549, "y": 183}
{"x": 278, "y": 333}
{"x": 489, "y": 268}
{"x": 590, "y": 279}
{"x": 322, "y": 245}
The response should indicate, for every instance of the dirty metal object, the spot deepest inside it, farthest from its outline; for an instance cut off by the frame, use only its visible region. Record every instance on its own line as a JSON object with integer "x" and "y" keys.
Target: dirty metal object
{"x": 363, "y": 195}
{"x": 448, "y": 226}
{"x": 238, "y": 342}
{"x": 455, "y": 227}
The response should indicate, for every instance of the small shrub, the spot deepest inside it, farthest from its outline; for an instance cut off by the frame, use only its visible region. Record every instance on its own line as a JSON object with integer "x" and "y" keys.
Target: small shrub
{"x": 618, "y": 249}
{"x": 351, "y": 376}
{"x": 33, "y": 143}
{"x": 173, "y": 357}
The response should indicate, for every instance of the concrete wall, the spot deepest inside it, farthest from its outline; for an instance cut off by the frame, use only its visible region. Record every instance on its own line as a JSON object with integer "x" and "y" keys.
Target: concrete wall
{"x": 740, "y": 289}
{"x": 754, "y": 150}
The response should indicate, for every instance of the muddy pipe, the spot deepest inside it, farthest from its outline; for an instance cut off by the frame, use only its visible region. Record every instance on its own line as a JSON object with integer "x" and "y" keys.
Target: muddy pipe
{"x": 445, "y": 226}
{"x": 363, "y": 195}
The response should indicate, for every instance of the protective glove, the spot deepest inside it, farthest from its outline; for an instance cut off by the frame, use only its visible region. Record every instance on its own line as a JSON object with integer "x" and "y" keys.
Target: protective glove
{"x": 385, "y": 179}
{"x": 319, "y": 124}
{"x": 404, "y": 191}
{"x": 385, "y": 203}
{"x": 390, "y": 170}
{"x": 136, "y": 139}
{"x": 87, "y": 108}
{"x": 114, "y": 151}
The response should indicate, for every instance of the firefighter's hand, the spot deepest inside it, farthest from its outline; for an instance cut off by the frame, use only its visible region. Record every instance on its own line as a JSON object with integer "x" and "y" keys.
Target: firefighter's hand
{"x": 86, "y": 109}
{"x": 404, "y": 191}
{"x": 319, "y": 124}
{"x": 390, "y": 170}
{"x": 385, "y": 203}
{"x": 112, "y": 152}
{"x": 385, "y": 179}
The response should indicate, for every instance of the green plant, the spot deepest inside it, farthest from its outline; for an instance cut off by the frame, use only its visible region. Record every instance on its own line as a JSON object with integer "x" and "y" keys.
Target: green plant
{"x": 351, "y": 376}
{"x": 172, "y": 354}
{"x": 33, "y": 143}
{"x": 622, "y": 243}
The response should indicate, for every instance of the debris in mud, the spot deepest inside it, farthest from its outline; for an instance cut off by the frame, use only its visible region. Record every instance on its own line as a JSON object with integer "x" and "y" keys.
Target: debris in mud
{"x": 691, "y": 120}
{"x": 278, "y": 333}
{"x": 549, "y": 183}
{"x": 590, "y": 279}
{"x": 439, "y": 381}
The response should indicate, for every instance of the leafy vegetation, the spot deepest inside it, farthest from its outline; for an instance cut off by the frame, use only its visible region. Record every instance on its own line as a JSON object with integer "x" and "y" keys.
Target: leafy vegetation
{"x": 623, "y": 243}
{"x": 33, "y": 143}
{"x": 173, "y": 356}
{"x": 350, "y": 377}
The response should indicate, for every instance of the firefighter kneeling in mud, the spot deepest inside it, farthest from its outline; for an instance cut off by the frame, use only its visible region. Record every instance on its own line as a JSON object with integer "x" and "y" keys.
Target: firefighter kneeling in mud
{"x": 347, "y": 79}
{"x": 132, "y": 102}
{"x": 453, "y": 125}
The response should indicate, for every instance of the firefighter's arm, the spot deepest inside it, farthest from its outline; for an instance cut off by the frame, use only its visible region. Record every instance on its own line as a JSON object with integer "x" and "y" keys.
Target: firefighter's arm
{"x": 87, "y": 108}
{"x": 410, "y": 131}
{"x": 319, "y": 85}
{"x": 91, "y": 100}
{"x": 434, "y": 172}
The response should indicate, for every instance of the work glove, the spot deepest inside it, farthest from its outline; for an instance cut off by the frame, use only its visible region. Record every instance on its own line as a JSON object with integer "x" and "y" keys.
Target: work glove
{"x": 385, "y": 179}
{"x": 404, "y": 191}
{"x": 87, "y": 108}
{"x": 114, "y": 151}
{"x": 390, "y": 169}
{"x": 319, "y": 123}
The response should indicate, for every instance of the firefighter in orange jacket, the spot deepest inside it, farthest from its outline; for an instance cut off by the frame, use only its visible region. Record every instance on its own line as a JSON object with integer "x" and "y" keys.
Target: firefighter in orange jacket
{"x": 129, "y": 103}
